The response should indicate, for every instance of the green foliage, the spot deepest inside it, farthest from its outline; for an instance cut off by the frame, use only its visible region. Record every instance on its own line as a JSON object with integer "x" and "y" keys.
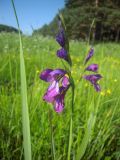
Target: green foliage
{"x": 39, "y": 53}
{"x": 5, "y": 28}
{"x": 79, "y": 15}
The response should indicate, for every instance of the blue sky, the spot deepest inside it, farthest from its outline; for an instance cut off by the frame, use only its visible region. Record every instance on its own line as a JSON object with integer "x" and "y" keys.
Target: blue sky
{"x": 33, "y": 13}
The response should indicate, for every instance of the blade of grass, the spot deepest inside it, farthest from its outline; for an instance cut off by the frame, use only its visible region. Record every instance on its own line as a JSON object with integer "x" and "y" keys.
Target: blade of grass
{"x": 70, "y": 139}
{"x": 25, "y": 113}
{"x": 52, "y": 137}
{"x": 87, "y": 135}
{"x": 86, "y": 138}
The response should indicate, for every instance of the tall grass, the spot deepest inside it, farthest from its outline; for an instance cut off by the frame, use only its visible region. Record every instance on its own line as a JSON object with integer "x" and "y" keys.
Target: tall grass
{"x": 25, "y": 112}
{"x": 99, "y": 116}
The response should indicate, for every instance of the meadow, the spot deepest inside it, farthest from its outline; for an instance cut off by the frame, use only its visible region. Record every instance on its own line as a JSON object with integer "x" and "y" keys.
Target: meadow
{"x": 101, "y": 133}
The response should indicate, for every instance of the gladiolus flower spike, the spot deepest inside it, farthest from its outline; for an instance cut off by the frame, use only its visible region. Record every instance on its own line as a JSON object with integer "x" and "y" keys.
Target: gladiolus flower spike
{"x": 59, "y": 79}
{"x": 93, "y": 78}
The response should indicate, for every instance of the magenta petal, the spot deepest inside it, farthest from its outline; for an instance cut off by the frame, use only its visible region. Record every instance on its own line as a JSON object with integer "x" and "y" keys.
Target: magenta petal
{"x": 52, "y": 91}
{"x": 59, "y": 103}
{"x": 65, "y": 81}
{"x": 92, "y": 67}
{"x": 45, "y": 75}
{"x": 90, "y": 54}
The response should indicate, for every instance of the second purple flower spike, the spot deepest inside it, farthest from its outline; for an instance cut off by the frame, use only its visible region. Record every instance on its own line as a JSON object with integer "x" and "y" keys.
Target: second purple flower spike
{"x": 93, "y": 78}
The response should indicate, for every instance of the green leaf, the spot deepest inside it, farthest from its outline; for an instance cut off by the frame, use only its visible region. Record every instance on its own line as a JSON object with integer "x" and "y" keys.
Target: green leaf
{"x": 25, "y": 113}
{"x": 87, "y": 135}
{"x": 70, "y": 139}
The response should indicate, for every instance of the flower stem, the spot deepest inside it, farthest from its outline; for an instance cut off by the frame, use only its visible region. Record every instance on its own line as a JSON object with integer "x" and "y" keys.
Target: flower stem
{"x": 71, "y": 120}
{"x": 52, "y": 138}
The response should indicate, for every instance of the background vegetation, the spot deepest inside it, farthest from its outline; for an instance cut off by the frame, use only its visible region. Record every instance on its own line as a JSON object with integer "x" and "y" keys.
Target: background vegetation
{"x": 5, "y": 28}
{"x": 79, "y": 14}
{"x": 39, "y": 53}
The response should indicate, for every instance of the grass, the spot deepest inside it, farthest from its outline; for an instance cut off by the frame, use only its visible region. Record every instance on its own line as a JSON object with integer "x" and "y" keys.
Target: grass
{"x": 96, "y": 132}
{"x": 24, "y": 101}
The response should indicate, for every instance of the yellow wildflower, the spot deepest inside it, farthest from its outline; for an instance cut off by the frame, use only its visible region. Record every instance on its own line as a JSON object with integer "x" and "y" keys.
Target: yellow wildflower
{"x": 37, "y": 71}
{"x": 102, "y": 93}
{"x": 108, "y": 91}
{"x": 86, "y": 84}
{"x": 115, "y": 80}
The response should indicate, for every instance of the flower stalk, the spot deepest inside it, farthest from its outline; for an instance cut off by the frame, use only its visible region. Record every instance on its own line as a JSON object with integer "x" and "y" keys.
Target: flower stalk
{"x": 52, "y": 136}
{"x": 71, "y": 120}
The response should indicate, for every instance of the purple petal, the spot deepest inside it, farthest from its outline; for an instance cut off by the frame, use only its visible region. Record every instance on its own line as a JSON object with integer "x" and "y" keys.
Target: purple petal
{"x": 60, "y": 38}
{"x": 59, "y": 103}
{"x": 92, "y": 67}
{"x": 65, "y": 81}
{"x": 93, "y": 78}
{"x": 59, "y": 99}
{"x": 62, "y": 53}
{"x": 50, "y": 75}
{"x": 57, "y": 74}
{"x": 90, "y": 54}
{"x": 97, "y": 87}
{"x": 45, "y": 75}
{"x": 52, "y": 91}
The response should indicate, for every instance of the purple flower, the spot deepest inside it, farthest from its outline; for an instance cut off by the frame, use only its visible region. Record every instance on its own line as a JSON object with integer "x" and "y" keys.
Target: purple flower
{"x": 90, "y": 54}
{"x": 92, "y": 67}
{"x": 59, "y": 84}
{"x": 62, "y": 53}
{"x": 93, "y": 79}
{"x": 60, "y": 37}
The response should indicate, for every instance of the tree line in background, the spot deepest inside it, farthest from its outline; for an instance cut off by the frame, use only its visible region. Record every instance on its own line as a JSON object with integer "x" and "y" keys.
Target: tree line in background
{"x": 80, "y": 14}
{"x": 5, "y": 28}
